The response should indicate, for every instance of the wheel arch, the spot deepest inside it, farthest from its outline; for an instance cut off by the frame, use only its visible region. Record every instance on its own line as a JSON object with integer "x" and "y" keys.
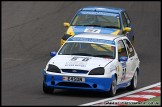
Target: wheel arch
{"x": 137, "y": 69}
{"x": 115, "y": 75}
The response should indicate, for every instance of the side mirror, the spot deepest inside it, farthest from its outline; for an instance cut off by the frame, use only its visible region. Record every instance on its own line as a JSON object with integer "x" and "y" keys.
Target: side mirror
{"x": 123, "y": 58}
{"x": 127, "y": 29}
{"x": 53, "y": 53}
{"x": 66, "y": 24}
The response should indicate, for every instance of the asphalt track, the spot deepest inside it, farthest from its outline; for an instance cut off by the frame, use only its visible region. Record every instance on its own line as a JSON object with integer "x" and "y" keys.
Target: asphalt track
{"x": 30, "y": 30}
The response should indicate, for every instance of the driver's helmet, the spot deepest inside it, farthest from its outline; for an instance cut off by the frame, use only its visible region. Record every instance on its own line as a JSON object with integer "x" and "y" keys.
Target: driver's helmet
{"x": 83, "y": 47}
{"x": 90, "y": 19}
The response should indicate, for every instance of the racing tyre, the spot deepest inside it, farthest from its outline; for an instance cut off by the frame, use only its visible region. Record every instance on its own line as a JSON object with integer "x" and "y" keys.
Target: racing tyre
{"x": 112, "y": 91}
{"x": 133, "y": 84}
{"x": 47, "y": 90}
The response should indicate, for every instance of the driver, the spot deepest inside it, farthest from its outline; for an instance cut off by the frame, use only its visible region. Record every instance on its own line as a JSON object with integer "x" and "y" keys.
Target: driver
{"x": 91, "y": 19}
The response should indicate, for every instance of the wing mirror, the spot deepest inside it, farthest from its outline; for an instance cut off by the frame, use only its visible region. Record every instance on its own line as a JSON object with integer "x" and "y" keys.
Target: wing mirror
{"x": 123, "y": 58}
{"x": 66, "y": 24}
{"x": 127, "y": 29}
{"x": 53, "y": 53}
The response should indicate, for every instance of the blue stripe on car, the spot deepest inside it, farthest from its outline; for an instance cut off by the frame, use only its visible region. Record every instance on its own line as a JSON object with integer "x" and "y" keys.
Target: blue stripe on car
{"x": 91, "y": 40}
{"x": 103, "y": 84}
{"x": 98, "y": 13}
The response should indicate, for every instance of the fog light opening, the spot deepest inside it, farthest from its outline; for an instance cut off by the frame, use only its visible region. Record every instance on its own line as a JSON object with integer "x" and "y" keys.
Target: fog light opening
{"x": 53, "y": 83}
{"x": 94, "y": 85}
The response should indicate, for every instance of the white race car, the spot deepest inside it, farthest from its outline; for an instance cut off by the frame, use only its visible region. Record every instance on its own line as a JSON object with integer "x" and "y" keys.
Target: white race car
{"x": 100, "y": 62}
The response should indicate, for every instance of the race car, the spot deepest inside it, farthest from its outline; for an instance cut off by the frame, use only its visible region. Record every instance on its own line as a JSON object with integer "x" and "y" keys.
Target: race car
{"x": 94, "y": 62}
{"x": 104, "y": 20}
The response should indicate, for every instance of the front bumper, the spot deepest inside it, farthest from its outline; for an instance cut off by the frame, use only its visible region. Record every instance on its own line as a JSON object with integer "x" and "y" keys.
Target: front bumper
{"x": 91, "y": 83}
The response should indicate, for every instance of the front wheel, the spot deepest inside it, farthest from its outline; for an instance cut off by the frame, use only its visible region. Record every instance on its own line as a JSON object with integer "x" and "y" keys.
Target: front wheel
{"x": 133, "y": 84}
{"x": 112, "y": 91}
{"x": 47, "y": 90}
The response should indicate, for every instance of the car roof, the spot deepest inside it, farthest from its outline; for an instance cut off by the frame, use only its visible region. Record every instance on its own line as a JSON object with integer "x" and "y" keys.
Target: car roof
{"x": 103, "y": 9}
{"x": 98, "y": 36}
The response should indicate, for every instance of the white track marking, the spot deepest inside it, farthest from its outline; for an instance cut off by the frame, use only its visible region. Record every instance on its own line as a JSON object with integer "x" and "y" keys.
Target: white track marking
{"x": 103, "y": 104}
{"x": 132, "y": 92}
{"x": 120, "y": 101}
{"x": 141, "y": 96}
{"x": 158, "y": 86}
{"x": 152, "y": 91}
{"x": 115, "y": 103}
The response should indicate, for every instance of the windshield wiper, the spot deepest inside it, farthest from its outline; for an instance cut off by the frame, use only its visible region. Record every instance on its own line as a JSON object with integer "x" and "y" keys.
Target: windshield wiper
{"x": 110, "y": 27}
{"x": 84, "y": 54}
{"x": 105, "y": 56}
{"x": 94, "y": 25}
{"x": 88, "y": 25}
{"x": 80, "y": 25}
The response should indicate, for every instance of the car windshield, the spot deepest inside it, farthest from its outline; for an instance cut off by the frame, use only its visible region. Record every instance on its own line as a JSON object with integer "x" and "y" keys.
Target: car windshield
{"x": 106, "y": 21}
{"x": 88, "y": 49}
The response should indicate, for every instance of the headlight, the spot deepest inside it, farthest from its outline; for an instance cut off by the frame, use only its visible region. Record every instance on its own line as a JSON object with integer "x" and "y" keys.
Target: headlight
{"x": 66, "y": 36}
{"x": 97, "y": 71}
{"x": 53, "y": 68}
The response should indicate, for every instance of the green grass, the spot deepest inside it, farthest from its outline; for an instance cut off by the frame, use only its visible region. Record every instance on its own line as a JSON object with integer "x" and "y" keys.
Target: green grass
{"x": 153, "y": 101}
{"x": 156, "y": 100}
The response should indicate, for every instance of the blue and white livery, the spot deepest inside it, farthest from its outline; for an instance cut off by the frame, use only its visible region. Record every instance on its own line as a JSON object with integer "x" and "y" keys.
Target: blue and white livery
{"x": 98, "y": 62}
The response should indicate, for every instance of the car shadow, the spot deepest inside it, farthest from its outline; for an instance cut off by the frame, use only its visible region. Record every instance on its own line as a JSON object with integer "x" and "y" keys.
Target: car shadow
{"x": 85, "y": 93}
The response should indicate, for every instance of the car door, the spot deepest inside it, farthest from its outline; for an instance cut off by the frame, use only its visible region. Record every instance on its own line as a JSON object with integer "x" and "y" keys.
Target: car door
{"x": 121, "y": 65}
{"x": 131, "y": 62}
{"x": 127, "y": 23}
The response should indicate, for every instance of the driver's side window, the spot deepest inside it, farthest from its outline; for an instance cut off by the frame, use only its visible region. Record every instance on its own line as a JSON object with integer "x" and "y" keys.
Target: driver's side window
{"x": 121, "y": 49}
{"x": 127, "y": 19}
{"x": 124, "y": 20}
{"x": 129, "y": 48}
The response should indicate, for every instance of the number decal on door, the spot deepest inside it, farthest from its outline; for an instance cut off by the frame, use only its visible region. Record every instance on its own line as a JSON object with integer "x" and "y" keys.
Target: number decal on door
{"x": 123, "y": 74}
{"x": 124, "y": 71}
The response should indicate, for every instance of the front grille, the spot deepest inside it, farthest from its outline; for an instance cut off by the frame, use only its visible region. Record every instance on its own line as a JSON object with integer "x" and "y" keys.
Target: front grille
{"x": 74, "y": 71}
{"x": 74, "y": 84}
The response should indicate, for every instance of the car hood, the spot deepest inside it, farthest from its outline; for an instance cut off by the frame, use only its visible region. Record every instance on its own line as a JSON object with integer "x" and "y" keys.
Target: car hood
{"x": 90, "y": 29}
{"x": 78, "y": 62}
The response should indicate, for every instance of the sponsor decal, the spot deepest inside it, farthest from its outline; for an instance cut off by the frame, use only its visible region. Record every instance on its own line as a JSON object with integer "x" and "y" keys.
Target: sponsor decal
{"x": 123, "y": 64}
{"x": 92, "y": 30}
{"x": 78, "y": 61}
{"x": 124, "y": 70}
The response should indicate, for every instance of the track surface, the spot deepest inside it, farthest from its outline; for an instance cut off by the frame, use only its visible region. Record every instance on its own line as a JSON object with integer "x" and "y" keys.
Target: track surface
{"x": 30, "y": 30}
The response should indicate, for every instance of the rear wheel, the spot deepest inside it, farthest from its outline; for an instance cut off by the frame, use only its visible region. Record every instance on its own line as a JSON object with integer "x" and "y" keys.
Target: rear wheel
{"x": 133, "y": 84}
{"x": 47, "y": 90}
{"x": 112, "y": 91}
